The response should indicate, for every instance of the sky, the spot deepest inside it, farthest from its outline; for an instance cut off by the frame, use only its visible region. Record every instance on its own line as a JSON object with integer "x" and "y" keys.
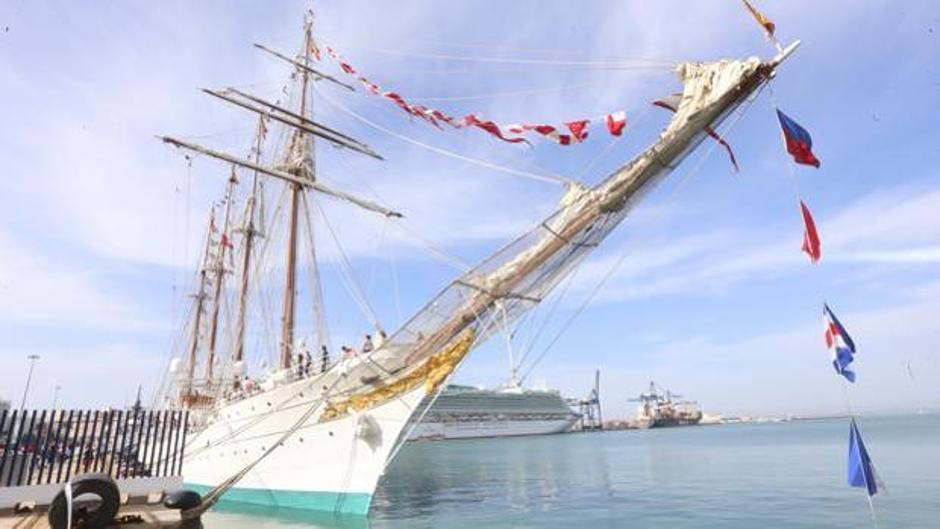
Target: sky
{"x": 702, "y": 289}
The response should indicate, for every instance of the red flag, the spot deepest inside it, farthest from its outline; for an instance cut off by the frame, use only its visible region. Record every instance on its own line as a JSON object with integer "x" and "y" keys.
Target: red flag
{"x": 492, "y": 128}
{"x": 811, "y": 243}
{"x": 578, "y": 129}
{"x": 616, "y": 122}
{"x": 797, "y": 140}
{"x": 225, "y": 242}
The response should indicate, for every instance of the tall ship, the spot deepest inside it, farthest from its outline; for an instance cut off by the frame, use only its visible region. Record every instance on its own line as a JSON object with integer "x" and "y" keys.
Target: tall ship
{"x": 661, "y": 408}
{"x": 315, "y": 431}
{"x": 466, "y": 412}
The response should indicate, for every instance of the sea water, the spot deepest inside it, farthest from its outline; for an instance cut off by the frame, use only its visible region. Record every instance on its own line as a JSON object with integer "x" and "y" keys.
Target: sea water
{"x": 786, "y": 475}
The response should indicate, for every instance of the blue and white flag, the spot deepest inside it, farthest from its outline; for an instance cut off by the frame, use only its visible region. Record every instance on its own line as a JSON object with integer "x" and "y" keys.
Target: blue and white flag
{"x": 839, "y": 343}
{"x": 861, "y": 471}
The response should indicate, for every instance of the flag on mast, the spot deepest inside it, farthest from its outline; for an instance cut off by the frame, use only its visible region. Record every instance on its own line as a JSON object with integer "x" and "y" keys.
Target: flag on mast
{"x": 861, "y": 471}
{"x": 840, "y": 343}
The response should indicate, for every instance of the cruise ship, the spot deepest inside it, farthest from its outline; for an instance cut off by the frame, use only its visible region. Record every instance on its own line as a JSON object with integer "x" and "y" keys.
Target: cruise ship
{"x": 465, "y": 412}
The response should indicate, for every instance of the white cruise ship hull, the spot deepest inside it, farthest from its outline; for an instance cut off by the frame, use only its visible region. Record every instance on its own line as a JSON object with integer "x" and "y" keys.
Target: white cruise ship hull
{"x": 482, "y": 429}
{"x": 462, "y": 412}
{"x": 329, "y": 466}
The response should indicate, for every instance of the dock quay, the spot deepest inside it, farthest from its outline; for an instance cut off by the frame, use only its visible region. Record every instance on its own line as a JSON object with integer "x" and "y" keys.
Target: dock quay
{"x": 120, "y": 466}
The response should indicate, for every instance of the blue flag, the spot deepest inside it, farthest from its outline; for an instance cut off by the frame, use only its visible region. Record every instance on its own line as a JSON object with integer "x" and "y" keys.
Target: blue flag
{"x": 861, "y": 471}
{"x": 798, "y": 141}
{"x": 839, "y": 343}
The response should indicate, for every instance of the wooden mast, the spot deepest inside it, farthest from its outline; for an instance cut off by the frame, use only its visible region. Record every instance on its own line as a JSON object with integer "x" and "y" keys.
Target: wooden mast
{"x": 219, "y": 272}
{"x": 249, "y": 234}
{"x": 197, "y": 318}
{"x": 299, "y": 153}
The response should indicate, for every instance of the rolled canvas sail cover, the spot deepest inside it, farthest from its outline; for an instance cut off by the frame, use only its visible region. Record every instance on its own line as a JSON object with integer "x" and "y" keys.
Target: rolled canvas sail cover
{"x": 434, "y": 341}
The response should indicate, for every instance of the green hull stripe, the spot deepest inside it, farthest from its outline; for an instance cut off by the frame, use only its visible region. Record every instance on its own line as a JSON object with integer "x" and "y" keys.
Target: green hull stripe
{"x": 334, "y": 502}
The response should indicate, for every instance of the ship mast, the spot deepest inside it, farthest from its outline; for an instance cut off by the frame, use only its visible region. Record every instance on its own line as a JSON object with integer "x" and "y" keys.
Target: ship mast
{"x": 200, "y": 297}
{"x": 219, "y": 273}
{"x": 299, "y": 153}
{"x": 249, "y": 233}
{"x": 298, "y": 172}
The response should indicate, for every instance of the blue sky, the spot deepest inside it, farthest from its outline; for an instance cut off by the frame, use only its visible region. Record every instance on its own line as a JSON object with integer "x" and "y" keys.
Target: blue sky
{"x": 100, "y": 223}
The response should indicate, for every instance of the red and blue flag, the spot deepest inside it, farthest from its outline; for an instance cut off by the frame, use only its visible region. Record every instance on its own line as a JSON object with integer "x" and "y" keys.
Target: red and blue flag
{"x": 840, "y": 343}
{"x": 799, "y": 143}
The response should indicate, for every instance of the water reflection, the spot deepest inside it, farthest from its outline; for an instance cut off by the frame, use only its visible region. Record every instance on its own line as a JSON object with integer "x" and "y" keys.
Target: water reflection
{"x": 516, "y": 474}
{"x": 787, "y": 475}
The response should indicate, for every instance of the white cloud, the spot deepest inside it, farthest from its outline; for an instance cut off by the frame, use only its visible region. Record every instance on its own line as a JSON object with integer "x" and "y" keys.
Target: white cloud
{"x": 893, "y": 226}
{"x": 36, "y": 290}
{"x": 106, "y": 374}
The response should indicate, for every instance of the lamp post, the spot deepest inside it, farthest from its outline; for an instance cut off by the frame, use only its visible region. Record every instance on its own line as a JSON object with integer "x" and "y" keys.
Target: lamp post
{"x": 29, "y": 377}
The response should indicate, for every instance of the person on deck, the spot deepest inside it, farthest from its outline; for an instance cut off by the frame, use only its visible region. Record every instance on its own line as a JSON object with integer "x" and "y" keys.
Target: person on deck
{"x": 308, "y": 362}
{"x": 367, "y": 346}
{"x": 380, "y": 339}
{"x": 300, "y": 365}
{"x": 324, "y": 359}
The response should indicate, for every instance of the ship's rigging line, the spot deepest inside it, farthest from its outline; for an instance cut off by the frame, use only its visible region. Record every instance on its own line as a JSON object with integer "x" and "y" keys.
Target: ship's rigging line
{"x": 614, "y": 63}
{"x": 467, "y": 142}
{"x": 682, "y": 182}
{"x": 536, "y": 331}
{"x": 489, "y": 165}
{"x": 516, "y": 70}
{"x": 323, "y": 338}
{"x": 437, "y": 392}
{"x": 348, "y": 274}
{"x": 495, "y": 95}
{"x": 529, "y": 49}
{"x": 429, "y": 247}
{"x": 213, "y": 495}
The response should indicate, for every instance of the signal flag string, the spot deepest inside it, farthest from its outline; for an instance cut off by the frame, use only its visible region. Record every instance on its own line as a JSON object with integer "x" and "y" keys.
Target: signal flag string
{"x": 571, "y": 132}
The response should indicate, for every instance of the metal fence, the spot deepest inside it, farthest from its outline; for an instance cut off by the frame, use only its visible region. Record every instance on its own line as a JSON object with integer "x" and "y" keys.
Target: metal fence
{"x": 50, "y": 446}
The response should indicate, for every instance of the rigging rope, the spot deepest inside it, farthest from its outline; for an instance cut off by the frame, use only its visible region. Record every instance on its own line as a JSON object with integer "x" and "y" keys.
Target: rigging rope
{"x": 533, "y": 338}
{"x": 646, "y": 63}
{"x": 623, "y": 254}
{"x": 348, "y": 274}
{"x": 428, "y": 246}
{"x": 529, "y": 49}
{"x": 493, "y": 95}
{"x": 450, "y": 154}
{"x": 323, "y": 337}
{"x": 213, "y": 495}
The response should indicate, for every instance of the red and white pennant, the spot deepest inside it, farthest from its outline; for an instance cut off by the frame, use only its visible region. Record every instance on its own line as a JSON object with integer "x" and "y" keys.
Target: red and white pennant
{"x": 573, "y": 131}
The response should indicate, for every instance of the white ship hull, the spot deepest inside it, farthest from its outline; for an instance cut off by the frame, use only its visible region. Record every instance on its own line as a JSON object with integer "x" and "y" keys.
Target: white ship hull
{"x": 478, "y": 429}
{"x": 329, "y": 466}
